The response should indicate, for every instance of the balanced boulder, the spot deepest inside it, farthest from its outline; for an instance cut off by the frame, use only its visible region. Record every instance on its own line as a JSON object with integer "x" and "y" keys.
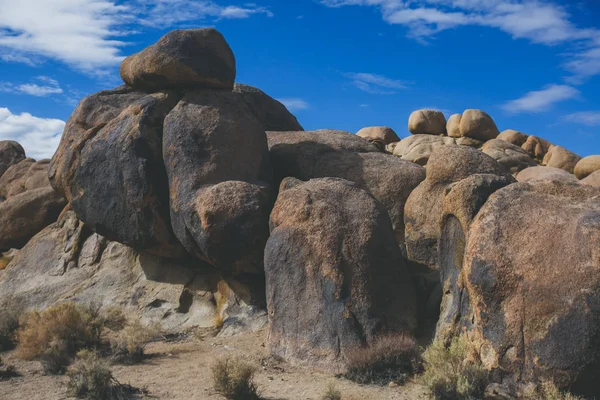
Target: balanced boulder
{"x": 182, "y": 58}
{"x": 559, "y": 157}
{"x": 430, "y": 122}
{"x": 511, "y": 136}
{"x": 335, "y": 276}
{"x": 10, "y": 153}
{"x": 418, "y": 148}
{"x": 478, "y": 125}
{"x": 379, "y": 134}
{"x": 453, "y": 125}
{"x": 511, "y": 156}
{"x": 587, "y": 166}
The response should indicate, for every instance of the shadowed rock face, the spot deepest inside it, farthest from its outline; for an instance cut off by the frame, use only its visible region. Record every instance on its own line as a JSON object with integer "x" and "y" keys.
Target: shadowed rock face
{"x": 511, "y": 156}
{"x": 10, "y": 153}
{"x": 529, "y": 282}
{"x": 216, "y": 157}
{"x": 273, "y": 115}
{"x": 335, "y": 276}
{"x": 182, "y": 58}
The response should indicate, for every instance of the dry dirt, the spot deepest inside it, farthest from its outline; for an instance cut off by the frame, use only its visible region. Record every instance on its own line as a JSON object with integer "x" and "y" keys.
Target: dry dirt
{"x": 182, "y": 370}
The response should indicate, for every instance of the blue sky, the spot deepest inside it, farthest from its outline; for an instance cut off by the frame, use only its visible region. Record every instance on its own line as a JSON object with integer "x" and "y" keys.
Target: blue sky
{"x": 532, "y": 65}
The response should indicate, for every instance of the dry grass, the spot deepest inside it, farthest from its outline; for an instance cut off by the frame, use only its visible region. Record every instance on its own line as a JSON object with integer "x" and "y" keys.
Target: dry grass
{"x": 55, "y": 335}
{"x": 10, "y": 312}
{"x": 454, "y": 373}
{"x": 549, "y": 391}
{"x": 389, "y": 358}
{"x": 332, "y": 393}
{"x": 113, "y": 318}
{"x": 129, "y": 345}
{"x": 234, "y": 380}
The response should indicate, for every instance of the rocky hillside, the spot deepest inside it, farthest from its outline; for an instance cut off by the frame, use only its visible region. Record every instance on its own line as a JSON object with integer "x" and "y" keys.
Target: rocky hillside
{"x": 193, "y": 201}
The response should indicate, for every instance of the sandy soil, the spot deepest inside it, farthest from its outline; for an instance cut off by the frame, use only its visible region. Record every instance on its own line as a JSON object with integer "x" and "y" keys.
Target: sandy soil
{"x": 181, "y": 370}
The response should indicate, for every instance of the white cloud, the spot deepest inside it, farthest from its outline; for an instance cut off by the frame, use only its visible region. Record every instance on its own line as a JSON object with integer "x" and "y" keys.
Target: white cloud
{"x": 541, "y": 100}
{"x": 48, "y": 86}
{"x": 375, "y": 84}
{"x": 294, "y": 104}
{"x": 89, "y": 34}
{"x": 39, "y": 136}
{"x": 540, "y": 21}
{"x": 589, "y": 118}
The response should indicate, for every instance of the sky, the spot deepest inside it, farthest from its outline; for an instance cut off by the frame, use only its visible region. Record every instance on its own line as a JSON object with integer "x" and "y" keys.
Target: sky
{"x": 533, "y": 65}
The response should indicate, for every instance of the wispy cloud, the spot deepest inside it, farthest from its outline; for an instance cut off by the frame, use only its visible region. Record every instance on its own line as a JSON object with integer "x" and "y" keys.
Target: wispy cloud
{"x": 541, "y": 100}
{"x": 89, "y": 35}
{"x": 375, "y": 84}
{"x": 39, "y": 136}
{"x": 45, "y": 86}
{"x": 539, "y": 21}
{"x": 294, "y": 104}
{"x": 589, "y": 118}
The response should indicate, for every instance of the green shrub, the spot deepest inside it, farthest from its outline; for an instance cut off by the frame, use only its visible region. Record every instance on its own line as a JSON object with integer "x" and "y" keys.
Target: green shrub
{"x": 129, "y": 345}
{"x": 454, "y": 373}
{"x": 234, "y": 380}
{"x": 332, "y": 393}
{"x": 10, "y": 312}
{"x": 389, "y": 358}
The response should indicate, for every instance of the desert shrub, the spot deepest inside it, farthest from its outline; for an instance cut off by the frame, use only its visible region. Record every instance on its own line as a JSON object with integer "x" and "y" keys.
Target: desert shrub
{"x": 129, "y": 345}
{"x": 454, "y": 372}
{"x": 90, "y": 377}
{"x": 55, "y": 335}
{"x": 234, "y": 379}
{"x": 389, "y": 358}
{"x": 10, "y": 312}
{"x": 7, "y": 371}
{"x": 549, "y": 391}
{"x": 332, "y": 393}
{"x": 113, "y": 318}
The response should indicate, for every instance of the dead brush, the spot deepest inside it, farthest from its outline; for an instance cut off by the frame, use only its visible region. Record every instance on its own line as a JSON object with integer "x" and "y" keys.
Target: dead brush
{"x": 332, "y": 393}
{"x": 549, "y": 391}
{"x": 10, "y": 312}
{"x": 7, "y": 371}
{"x": 128, "y": 347}
{"x": 234, "y": 379}
{"x": 389, "y": 358}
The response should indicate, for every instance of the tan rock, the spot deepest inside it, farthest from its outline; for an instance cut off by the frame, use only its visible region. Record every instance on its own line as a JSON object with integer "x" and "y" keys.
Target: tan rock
{"x": 418, "y": 148}
{"x": 559, "y": 157}
{"x": 381, "y": 134}
{"x": 478, "y": 125}
{"x": 511, "y": 156}
{"x": 586, "y": 166}
{"x": 536, "y": 147}
{"x": 467, "y": 141}
{"x": 545, "y": 174}
{"x": 453, "y": 126}
{"x": 511, "y": 136}
{"x": 428, "y": 122}
{"x": 592, "y": 179}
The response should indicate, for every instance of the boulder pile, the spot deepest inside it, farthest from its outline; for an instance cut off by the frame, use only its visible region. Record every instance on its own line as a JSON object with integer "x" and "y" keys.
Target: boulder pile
{"x": 191, "y": 200}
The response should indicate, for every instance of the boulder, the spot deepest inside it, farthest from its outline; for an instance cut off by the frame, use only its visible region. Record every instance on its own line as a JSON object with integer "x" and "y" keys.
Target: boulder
{"x": 453, "y": 125}
{"x": 467, "y": 141}
{"x": 429, "y": 122}
{"x": 527, "y": 289}
{"x": 182, "y": 59}
{"x": 12, "y": 182}
{"x": 587, "y": 166}
{"x": 559, "y": 157}
{"x": 478, "y": 125}
{"x": 424, "y": 207}
{"x": 10, "y": 153}
{"x": 511, "y": 156}
{"x": 511, "y": 136}
{"x": 592, "y": 179}
{"x": 321, "y": 154}
{"x": 215, "y": 149}
{"x": 332, "y": 290}
{"x": 380, "y": 134}
{"x": 117, "y": 183}
{"x": 545, "y": 173}
{"x": 418, "y": 148}
{"x": 391, "y": 147}
{"x": 273, "y": 115}
{"x": 68, "y": 262}
{"x": 536, "y": 147}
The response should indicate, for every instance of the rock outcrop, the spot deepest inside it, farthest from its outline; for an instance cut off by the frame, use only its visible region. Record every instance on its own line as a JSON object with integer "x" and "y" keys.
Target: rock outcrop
{"x": 378, "y": 134}
{"x": 332, "y": 290}
{"x": 418, "y": 148}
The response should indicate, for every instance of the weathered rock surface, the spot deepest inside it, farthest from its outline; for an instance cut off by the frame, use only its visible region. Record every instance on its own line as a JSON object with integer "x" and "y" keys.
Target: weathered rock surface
{"x": 592, "y": 179}
{"x": 478, "y": 125}
{"x": 511, "y": 156}
{"x": 453, "y": 125}
{"x": 182, "y": 58}
{"x": 215, "y": 149}
{"x": 273, "y": 115}
{"x": 12, "y": 182}
{"x": 66, "y": 261}
{"x": 428, "y": 122}
{"x": 533, "y": 307}
{"x": 545, "y": 173}
{"x": 536, "y": 147}
{"x": 379, "y": 134}
{"x": 587, "y": 166}
{"x": 10, "y": 153}
{"x": 511, "y": 136}
{"x": 559, "y": 157}
{"x": 332, "y": 290}
{"x": 321, "y": 154}
{"x": 418, "y": 148}
{"x": 467, "y": 141}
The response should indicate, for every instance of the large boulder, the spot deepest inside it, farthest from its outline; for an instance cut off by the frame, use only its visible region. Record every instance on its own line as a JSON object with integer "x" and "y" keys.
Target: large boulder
{"x": 478, "y": 125}
{"x": 321, "y": 154}
{"x": 545, "y": 174}
{"x": 592, "y": 179}
{"x": 587, "y": 166}
{"x": 511, "y": 136}
{"x": 215, "y": 149}
{"x": 559, "y": 157}
{"x": 10, "y": 153}
{"x": 453, "y": 125}
{"x": 429, "y": 122}
{"x": 418, "y": 148}
{"x": 182, "y": 59}
{"x": 527, "y": 284}
{"x": 536, "y": 147}
{"x": 113, "y": 173}
{"x": 511, "y": 156}
{"x": 332, "y": 290}
{"x": 273, "y": 115}
{"x": 12, "y": 182}
{"x": 379, "y": 134}
{"x": 68, "y": 262}
{"x": 424, "y": 207}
